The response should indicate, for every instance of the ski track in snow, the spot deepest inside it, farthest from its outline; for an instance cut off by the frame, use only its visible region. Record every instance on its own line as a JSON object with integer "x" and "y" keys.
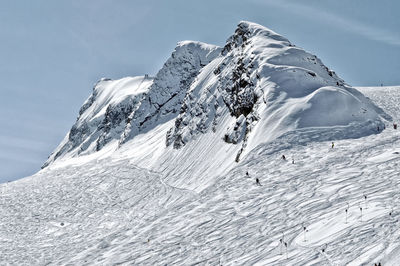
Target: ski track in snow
{"x": 110, "y": 212}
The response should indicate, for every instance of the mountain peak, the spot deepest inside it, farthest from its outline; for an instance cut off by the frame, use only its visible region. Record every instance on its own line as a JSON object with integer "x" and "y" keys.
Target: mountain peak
{"x": 247, "y": 32}
{"x": 254, "y": 29}
{"x": 218, "y": 104}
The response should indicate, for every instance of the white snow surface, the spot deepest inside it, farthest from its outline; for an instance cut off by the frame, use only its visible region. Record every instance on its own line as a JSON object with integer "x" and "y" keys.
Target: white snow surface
{"x": 154, "y": 170}
{"x": 109, "y": 211}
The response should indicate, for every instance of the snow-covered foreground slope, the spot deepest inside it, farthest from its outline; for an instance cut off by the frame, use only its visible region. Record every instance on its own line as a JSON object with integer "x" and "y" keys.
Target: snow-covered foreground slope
{"x": 108, "y": 211}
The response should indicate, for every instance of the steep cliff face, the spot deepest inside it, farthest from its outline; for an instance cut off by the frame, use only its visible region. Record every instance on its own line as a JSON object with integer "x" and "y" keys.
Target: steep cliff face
{"x": 209, "y": 106}
{"x": 103, "y": 117}
{"x": 170, "y": 86}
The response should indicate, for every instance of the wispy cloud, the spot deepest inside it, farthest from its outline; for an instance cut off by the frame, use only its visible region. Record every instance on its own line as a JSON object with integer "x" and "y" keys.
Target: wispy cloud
{"x": 347, "y": 24}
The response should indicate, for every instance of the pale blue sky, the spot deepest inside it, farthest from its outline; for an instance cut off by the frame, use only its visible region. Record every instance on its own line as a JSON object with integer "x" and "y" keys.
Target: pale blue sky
{"x": 52, "y": 52}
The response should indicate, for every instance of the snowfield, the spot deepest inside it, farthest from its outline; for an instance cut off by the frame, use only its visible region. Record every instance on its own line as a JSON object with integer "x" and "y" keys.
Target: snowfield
{"x": 162, "y": 170}
{"x": 110, "y": 212}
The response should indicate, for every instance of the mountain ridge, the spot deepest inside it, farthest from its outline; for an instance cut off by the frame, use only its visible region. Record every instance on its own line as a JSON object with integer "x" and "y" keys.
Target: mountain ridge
{"x": 220, "y": 103}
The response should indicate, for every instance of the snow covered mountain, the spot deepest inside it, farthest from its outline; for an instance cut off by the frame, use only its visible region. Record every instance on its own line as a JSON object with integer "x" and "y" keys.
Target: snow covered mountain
{"x": 153, "y": 172}
{"x": 118, "y": 109}
{"x": 208, "y": 107}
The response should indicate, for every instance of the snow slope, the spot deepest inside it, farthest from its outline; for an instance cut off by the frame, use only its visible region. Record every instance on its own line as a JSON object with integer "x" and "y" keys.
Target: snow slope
{"x": 112, "y": 212}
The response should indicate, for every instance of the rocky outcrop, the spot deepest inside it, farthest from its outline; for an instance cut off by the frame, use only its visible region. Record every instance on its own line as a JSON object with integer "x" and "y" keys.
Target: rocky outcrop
{"x": 165, "y": 97}
{"x": 103, "y": 117}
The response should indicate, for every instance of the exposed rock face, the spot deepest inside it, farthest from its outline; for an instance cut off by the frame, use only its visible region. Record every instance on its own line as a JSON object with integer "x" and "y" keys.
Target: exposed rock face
{"x": 115, "y": 121}
{"x": 170, "y": 86}
{"x": 103, "y": 117}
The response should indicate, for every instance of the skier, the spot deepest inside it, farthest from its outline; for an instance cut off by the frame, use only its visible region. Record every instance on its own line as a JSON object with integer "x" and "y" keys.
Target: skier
{"x": 333, "y": 144}
{"x": 247, "y": 174}
{"x": 292, "y": 160}
{"x": 395, "y": 126}
{"x": 258, "y": 182}
{"x": 283, "y": 157}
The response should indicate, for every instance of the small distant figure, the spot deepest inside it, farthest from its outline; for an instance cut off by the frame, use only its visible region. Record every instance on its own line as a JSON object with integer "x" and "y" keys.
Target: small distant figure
{"x": 292, "y": 160}
{"x": 395, "y": 126}
{"x": 146, "y": 76}
{"x": 247, "y": 174}
{"x": 333, "y": 144}
{"x": 384, "y": 126}
{"x": 286, "y": 250}
{"x": 62, "y": 224}
{"x": 258, "y": 182}
{"x": 283, "y": 157}
{"x": 378, "y": 128}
